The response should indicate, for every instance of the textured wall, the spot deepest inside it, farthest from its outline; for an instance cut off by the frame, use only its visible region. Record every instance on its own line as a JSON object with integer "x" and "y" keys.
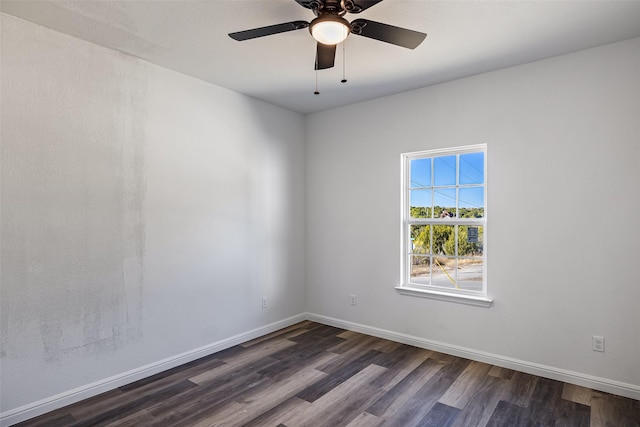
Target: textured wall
{"x": 144, "y": 213}
{"x": 563, "y": 141}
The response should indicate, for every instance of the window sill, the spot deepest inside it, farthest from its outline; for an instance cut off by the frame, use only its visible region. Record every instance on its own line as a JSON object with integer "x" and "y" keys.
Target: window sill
{"x": 445, "y": 296}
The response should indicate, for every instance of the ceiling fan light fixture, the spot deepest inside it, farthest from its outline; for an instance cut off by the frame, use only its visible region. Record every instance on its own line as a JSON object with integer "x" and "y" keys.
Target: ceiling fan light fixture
{"x": 329, "y": 29}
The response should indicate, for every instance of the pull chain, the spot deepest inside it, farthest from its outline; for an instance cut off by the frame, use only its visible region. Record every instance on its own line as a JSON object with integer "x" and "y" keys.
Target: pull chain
{"x": 344, "y": 62}
{"x": 316, "y": 92}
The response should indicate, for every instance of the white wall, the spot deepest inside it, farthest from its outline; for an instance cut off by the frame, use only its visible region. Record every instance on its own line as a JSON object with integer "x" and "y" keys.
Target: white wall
{"x": 144, "y": 213}
{"x": 563, "y": 236}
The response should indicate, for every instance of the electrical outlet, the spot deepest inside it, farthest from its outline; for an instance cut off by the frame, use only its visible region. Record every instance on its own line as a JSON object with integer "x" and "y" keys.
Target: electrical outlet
{"x": 597, "y": 343}
{"x": 264, "y": 302}
{"x": 353, "y": 300}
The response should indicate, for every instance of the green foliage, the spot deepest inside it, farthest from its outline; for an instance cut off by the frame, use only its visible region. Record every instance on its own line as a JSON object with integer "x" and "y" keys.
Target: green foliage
{"x": 425, "y": 212}
{"x": 420, "y": 212}
{"x": 443, "y": 241}
{"x": 465, "y": 248}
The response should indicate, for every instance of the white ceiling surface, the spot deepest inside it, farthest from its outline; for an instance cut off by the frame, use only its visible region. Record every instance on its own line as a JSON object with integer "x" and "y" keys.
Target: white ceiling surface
{"x": 464, "y": 38}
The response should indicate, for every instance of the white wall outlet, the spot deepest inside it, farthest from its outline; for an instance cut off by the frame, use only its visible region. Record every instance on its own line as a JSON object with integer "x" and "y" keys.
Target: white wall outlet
{"x": 597, "y": 343}
{"x": 353, "y": 300}
{"x": 264, "y": 302}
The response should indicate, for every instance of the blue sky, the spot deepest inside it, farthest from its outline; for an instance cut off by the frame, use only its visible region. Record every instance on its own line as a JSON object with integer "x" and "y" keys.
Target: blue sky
{"x": 444, "y": 174}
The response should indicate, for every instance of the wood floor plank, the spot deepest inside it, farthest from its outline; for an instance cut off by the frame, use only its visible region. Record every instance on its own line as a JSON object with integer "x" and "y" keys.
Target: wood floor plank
{"x": 365, "y": 419}
{"x": 498, "y": 372}
{"x": 353, "y": 345}
{"x": 508, "y": 414}
{"x": 415, "y": 409}
{"x": 263, "y": 398}
{"x": 572, "y": 414}
{"x": 240, "y": 413}
{"x": 400, "y": 362}
{"x": 97, "y": 403}
{"x": 132, "y": 407}
{"x": 322, "y": 410}
{"x": 286, "y": 367}
{"x": 167, "y": 378}
{"x": 546, "y": 396}
{"x": 49, "y": 420}
{"x": 576, "y": 393}
{"x": 608, "y": 410}
{"x": 521, "y": 389}
{"x": 440, "y": 415}
{"x": 316, "y": 375}
{"x": 404, "y": 390}
{"x": 336, "y": 378}
{"x": 140, "y": 418}
{"x": 289, "y": 332}
{"x": 465, "y": 386}
{"x": 274, "y": 416}
{"x": 176, "y": 374}
{"x": 250, "y": 356}
{"x": 189, "y": 408}
{"x": 480, "y": 407}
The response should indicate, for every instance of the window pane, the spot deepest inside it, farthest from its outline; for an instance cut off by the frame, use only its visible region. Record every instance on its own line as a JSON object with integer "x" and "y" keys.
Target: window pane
{"x": 441, "y": 191}
{"x": 420, "y": 173}
{"x": 444, "y": 202}
{"x": 472, "y": 168}
{"x": 444, "y": 170}
{"x": 471, "y": 202}
{"x": 420, "y": 236}
{"x": 420, "y": 203}
{"x": 470, "y": 273}
{"x": 470, "y": 240}
{"x": 444, "y": 240}
{"x": 419, "y": 270}
{"x": 444, "y": 271}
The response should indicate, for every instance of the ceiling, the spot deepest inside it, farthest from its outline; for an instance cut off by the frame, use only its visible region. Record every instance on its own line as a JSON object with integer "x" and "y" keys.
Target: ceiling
{"x": 464, "y": 38}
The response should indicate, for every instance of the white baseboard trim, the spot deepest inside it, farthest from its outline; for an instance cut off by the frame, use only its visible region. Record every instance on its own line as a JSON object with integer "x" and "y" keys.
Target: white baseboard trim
{"x": 602, "y": 384}
{"x": 72, "y": 396}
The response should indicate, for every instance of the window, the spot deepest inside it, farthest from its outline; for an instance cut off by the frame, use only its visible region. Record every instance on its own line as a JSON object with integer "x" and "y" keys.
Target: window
{"x": 444, "y": 224}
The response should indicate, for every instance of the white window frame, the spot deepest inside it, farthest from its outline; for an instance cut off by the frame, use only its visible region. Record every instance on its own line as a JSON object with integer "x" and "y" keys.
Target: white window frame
{"x": 476, "y": 298}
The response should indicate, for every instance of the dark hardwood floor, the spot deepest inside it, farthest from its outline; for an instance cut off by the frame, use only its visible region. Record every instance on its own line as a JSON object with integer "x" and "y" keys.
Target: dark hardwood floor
{"x": 317, "y": 375}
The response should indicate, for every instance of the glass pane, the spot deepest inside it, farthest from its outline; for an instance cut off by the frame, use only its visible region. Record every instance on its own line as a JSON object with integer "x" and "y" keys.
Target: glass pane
{"x": 420, "y": 236}
{"x": 444, "y": 240}
{"x": 471, "y": 202}
{"x": 470, "y": 240}
{"x": 420, "y": 203}
{"x": 472, "y": 168}
{"x": 444, "y": 170}
{"x": 444, "y": 272}
{"x": 470, "y": 274}
{"x": 420, "y": 172}
{"x": 444, "y": 202}
{"x": 419, "y": 270}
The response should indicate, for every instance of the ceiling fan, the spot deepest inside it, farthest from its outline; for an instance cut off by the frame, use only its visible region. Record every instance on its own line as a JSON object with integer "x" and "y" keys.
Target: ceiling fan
{"x": 330, "y": 28}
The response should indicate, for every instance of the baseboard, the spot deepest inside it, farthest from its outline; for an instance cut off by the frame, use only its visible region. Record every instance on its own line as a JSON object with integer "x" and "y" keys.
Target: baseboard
{"x": 589, "y": 381}
{"x": 72, "y": 396}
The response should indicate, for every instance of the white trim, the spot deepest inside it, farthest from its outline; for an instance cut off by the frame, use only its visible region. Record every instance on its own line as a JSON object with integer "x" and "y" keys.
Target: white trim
{"x": 478, "y": 301}
{"x": 597, "y": 383}
{"x": 407, "y": 251}
{"x": 72, "y": 396}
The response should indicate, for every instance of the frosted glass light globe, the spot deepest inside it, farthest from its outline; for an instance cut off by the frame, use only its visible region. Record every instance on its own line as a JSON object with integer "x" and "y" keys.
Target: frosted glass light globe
{"x": 329, "y": 29}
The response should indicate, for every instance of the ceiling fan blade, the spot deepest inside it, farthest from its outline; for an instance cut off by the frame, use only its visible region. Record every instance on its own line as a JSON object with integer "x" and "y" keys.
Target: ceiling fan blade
{"x": 325, "y": 56}
{"x": 387, "y": 33}
{"x": 269, "y": 30}
{"x": 357, "y": 6}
